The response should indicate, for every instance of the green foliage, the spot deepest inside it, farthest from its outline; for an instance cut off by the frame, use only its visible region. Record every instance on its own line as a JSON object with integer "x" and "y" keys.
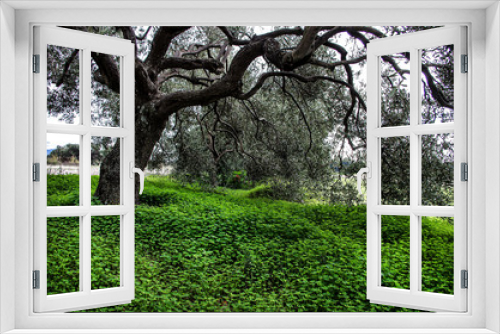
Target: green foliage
{"x": 69, "y": 153}
{"x": 232, "y": 251}
{"x": 396, "y": 252}
{"x": 260, "y": 191}
{"x": 105, "y": 250}
{"x": 62, "y": 190}
{"x": 237, "y": 180}
{"x": 437, "y": 274}
{"x": 63, "y": 250}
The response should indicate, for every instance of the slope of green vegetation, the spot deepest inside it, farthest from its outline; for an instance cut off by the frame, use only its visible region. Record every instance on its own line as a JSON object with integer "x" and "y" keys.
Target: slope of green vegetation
{"x": 228, "y": 251}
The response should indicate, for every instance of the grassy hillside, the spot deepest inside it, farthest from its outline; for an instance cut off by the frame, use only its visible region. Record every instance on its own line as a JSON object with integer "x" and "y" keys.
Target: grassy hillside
{"x": 235, "y": 252}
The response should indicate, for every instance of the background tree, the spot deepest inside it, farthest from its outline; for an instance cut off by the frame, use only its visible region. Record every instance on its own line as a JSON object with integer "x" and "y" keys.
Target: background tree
{"x": 69, "y": 153}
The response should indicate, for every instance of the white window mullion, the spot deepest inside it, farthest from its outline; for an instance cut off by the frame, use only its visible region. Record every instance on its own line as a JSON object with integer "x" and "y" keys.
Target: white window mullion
{"x": 436, "y": 128}
{"x": 85, "y": 230}
{"x": 85, "y": 179}
{"x": 127, "y": 230}
{"x": 414, "y": 169}
{"x": 392, "y": 210}
{"x": 390, "y": 131}
{"x": 417, "y": 128}
{"x": 85, "y": 154}
{"x": 373, "y": 184}
{"x": 82, "y": 130}
{"x": 405, "y": 210}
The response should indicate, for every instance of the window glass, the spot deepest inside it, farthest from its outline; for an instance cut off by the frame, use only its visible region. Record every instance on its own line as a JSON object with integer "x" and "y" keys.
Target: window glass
{"x": 63, "y": 85}
{"x": 395, "y": 89}
{"x": 437, "y": 85}
{"x": 63, "y": 169}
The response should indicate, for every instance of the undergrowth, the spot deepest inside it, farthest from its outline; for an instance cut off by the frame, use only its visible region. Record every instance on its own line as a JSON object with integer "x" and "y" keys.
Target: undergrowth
{"x": 232, "y": 251}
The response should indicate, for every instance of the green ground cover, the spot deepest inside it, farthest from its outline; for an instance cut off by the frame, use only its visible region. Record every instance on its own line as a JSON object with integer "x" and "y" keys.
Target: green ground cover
{"x": 232, "y": 251}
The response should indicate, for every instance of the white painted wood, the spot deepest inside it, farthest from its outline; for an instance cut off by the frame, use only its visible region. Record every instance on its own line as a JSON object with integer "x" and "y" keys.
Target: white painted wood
{"x": 86, "y": 297}
{"x": 7, "y": 167}
{"x": 415, "y": 169}
{"x": 311, "y": 14}
{"x": 414, "y": 297}
{"x": 245, "y": 5}
{"x": 98, "y": 131}
{"x": 127, "y": 232}
{"x": 373, "y": 252}
{"x": 257, "y": 331}
{"x": 419, "y": 129}
{"x": 406, "y": 210}
{"x": 79, "y": 211}
{"x": 489, "y": 167}
{"x": 435, "y": 128}
{"x": 460, "y": 155}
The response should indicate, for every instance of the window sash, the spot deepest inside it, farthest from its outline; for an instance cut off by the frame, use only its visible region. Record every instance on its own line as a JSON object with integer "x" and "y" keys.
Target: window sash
{"x": 85, "y": 298}
{"x": 414, "y": 298}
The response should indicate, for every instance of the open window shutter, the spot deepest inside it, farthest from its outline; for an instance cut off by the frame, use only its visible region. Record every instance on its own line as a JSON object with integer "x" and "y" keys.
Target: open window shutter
{"x": 69, "y": 272}
{"x": 399, "y": 129}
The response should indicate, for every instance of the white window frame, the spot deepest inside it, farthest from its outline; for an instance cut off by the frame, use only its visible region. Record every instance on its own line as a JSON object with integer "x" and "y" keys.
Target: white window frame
{"x": 85, "y": 297}
{"x": 414, "y": 297}
{"x": 484, "y": 143}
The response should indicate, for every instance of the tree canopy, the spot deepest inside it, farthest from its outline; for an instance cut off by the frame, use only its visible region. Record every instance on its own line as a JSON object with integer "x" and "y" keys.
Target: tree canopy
{"x": 277, "y": 102}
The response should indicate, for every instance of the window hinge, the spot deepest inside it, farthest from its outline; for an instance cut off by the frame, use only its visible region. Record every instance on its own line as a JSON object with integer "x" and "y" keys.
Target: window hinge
{"x": 36, "y": 279}
{"x": 464, "y": 171}
{"x": 465, "y": 279}
{"x": 36, "y": 172}
{"x": 36, "y": 63}
{"x": 465, "y": 63}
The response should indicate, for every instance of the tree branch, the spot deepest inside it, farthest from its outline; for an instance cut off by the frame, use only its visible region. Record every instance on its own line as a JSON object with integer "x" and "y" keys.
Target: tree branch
{"x": 210, "y": 65}
{"x": 193, "y": 80}
{"x": 108, "y": 69}
{"x": 161, "y": 42}
{"x": 300, "y": 78}
{"x": 289, "y": 60}
{"x": 67, "y": 64}
{"x": 201, "y": 49}
{"x": 304, "y": 118}
{"x": 332, "y": 66}
{"x": 437, "y": 94}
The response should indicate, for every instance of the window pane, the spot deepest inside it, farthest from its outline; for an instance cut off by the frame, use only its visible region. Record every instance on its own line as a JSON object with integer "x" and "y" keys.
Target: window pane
{"x": 395, "y": 172}
{"x": 63, "y": 85}
{"x": 63, "y": 255}
{"x": 105, "y": 148}
{"x": 395, "y": 266}
{"x": 63, "y": 169}
{"x": 437, "y": 84}
{"x": 105, "y": 105}
{"x": 437, "y": 254}
{"x": 105, "y": 252}
{"x": 395, "y": 89}
{"x": 437, "y": 169}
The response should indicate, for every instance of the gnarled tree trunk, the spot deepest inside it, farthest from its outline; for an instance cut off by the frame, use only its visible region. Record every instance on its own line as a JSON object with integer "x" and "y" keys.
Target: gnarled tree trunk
{"x": 147, "y": 133}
